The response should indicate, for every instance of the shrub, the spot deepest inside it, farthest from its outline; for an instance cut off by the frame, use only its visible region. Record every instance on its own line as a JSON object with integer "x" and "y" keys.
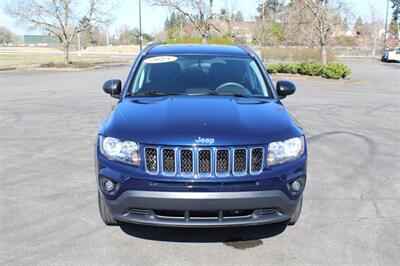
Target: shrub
{"x": 329, "y": 71}
{"x": 312, "y": 69}
{"x": 336, "y": 71}
{"x": 289, "y": 68}
{"x": 273, "y": 68}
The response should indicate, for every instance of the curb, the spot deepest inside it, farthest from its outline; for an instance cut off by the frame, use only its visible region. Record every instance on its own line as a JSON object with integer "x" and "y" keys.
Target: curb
{"x": 7, "y": 68}
{"x": 306, "y": 77}
{"x": 67, "y": 69}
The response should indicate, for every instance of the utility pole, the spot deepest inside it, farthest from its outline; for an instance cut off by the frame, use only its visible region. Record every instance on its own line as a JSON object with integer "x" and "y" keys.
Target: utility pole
{"x": 387, "y": 12}
{"x": 140, "y": 24}
{"x": 79, "y": 43}
{"x": 263, "y": 10}
{"x": 374, "y": 49}
{"x": 107, "y": 35}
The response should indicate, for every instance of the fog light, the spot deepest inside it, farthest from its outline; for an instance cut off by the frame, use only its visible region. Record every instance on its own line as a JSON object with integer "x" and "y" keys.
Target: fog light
{"x": 109, "y": 185}
{"x": 135, "y": 158}
{"x": 296, "y": 185}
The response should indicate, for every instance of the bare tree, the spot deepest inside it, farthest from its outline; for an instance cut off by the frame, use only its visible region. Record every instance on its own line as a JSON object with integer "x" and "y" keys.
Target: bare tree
{"x": 5, "y": 35}
{"x": 231, "y": 8}
{"x": 199, "y": 12}
{"x": 268, "y": 29}
{"x": 61, "y": 18}
{"x": 268, "y": 33}
{"x": 373, "y": 27}
{"x": 316, "y": 20}
{"x": 297, "y": 21}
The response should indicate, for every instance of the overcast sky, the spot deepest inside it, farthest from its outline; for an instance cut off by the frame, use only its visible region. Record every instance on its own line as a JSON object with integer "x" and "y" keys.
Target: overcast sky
{"x": 153, "y": 17}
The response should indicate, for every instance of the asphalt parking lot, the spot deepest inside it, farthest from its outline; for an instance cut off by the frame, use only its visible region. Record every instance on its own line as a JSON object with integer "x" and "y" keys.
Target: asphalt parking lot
{"x": 48, "y": 198}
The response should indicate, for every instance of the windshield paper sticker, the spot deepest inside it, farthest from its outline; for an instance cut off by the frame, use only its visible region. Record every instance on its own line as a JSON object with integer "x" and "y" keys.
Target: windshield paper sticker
{"x": 160, "y": 59}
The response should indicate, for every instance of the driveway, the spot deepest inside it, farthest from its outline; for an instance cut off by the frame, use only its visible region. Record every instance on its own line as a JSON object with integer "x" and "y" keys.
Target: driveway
{"x": 48, "y": 198}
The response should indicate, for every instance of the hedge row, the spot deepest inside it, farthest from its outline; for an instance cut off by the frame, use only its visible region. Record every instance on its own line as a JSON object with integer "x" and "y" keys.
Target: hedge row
{"x": 329, "y": 71}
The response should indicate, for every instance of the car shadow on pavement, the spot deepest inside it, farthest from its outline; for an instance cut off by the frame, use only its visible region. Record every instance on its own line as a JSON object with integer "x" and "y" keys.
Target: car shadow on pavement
{"x": 206, "y": 235}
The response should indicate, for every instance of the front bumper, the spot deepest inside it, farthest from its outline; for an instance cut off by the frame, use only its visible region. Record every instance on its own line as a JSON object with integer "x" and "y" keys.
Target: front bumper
{"x": 202, "y": 209}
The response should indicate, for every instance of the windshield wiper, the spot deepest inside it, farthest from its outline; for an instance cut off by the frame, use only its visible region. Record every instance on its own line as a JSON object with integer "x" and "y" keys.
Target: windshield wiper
{"x": 221, "y": 94}
{"x": 154, "y": 93}
{"x": 204, "y": 93}
{"x": 238, "y": 95}
{"x": 151, "y": 93}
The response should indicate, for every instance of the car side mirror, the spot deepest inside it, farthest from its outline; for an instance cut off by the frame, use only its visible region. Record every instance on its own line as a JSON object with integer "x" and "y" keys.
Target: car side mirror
{"x": 285, "y": 88}
{"x": 112, "y": 87}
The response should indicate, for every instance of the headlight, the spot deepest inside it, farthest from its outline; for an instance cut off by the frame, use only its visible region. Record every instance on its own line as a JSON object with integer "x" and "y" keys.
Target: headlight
{"x": 284, "y": 151}
{"x": 123, "y": 151}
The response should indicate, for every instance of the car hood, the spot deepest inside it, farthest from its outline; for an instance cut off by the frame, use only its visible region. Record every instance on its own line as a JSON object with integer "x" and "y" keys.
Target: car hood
{"x": 181, "y": 120}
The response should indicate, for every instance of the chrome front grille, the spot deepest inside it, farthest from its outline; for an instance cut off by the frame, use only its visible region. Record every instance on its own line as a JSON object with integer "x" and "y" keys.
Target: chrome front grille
{"x": 204, "y": 162}
{"x": 151, "y": 160}
{"x": 168, "y": 161}
{"x": 256, "y": 160}
{"x": 186, "y": 161}
{"x": 222, "y": 162}
{"x": 240, "y": 161}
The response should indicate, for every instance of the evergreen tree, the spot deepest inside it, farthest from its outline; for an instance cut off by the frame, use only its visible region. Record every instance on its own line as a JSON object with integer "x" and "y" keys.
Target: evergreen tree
{"x": 239, "y": 16}
{"x": 393, "y": 27}
{"x": 358, "y": 26}
{"x": 269, "y": 8}
{"x": 396, "y": 10}
{"x": 224, "y": 14}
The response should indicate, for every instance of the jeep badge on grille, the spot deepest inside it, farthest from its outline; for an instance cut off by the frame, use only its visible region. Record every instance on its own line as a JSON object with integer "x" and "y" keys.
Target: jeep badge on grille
{"x": 201, "y": 140}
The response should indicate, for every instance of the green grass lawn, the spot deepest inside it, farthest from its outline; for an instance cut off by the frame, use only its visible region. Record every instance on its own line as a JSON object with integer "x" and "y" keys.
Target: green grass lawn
{"x": 14, "y": 60}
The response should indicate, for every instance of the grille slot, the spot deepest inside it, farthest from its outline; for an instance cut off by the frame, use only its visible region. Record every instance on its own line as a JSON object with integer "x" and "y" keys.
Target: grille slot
{"x": 186, "y": 160}
{"x": 170, "y": 214}
{"x": 237, "y": 213}
{"x": 204, "y": 161}
{"x": 222, "y": 162}
{"x": 168, "y": 161}
{"x": 240, "y": 161}
{"x": 151, "y": 160}
{"x": 256, "y": 161}
{"x": 267, "y": 211}
{"x": 140, "y": 211}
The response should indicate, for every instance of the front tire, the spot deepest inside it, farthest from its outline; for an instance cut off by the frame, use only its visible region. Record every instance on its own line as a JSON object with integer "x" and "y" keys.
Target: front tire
{"x": 105, "y": 213}
{"x": 297, "y": 212}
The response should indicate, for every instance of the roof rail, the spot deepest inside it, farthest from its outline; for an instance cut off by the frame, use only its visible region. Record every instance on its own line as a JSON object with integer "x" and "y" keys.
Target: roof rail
{"x": 149, "y": 46}
{"x": 247, "y": 49}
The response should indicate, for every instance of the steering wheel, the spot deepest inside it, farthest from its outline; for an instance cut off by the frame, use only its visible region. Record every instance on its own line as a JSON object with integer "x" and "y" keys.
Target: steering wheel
{"x": 232, "y": 87}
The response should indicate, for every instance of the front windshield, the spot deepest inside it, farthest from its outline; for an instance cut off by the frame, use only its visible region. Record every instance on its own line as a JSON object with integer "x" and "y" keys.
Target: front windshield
{"x": 198, "y": 75}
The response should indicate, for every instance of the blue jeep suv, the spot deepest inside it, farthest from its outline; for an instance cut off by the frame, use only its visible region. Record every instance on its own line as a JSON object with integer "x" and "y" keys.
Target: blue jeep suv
{"x": 199, "y": 138}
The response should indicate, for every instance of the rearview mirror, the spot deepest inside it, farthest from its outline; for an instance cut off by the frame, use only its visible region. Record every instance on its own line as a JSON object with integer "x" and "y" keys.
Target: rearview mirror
{"x": 285, "y": 88}
{"x": 112, "y": 87}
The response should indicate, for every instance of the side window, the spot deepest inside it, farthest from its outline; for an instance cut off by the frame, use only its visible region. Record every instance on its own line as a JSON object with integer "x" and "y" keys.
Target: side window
{"x": 254, "y": 84}
{"x": 259, "y": 79}
{"x": 142, "y": 79}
